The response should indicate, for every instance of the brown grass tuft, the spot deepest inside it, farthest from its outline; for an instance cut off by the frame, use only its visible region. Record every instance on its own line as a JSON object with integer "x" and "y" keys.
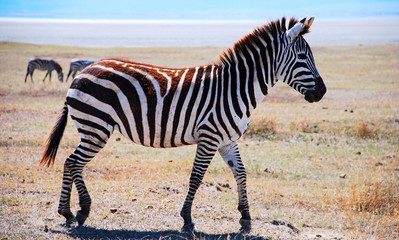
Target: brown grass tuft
{"x": 363, "y": 130}
{"x": 261, "y": 127}
{"x": 304, "y": 126}
{"x": 380, "y": 198}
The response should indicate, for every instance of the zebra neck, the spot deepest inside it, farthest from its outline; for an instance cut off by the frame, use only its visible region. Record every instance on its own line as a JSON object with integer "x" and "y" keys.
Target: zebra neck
{"x": 250, "y": 72}
{"x": 58, "y": 69}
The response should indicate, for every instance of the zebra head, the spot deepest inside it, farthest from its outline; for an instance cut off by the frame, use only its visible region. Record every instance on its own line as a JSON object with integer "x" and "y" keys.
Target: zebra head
{"x": 60, "y": 76}
{"x": 296, "y": 66}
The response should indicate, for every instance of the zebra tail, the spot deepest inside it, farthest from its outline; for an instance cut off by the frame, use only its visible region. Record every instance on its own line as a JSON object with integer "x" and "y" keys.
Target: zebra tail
{"x": 53, "y": 140}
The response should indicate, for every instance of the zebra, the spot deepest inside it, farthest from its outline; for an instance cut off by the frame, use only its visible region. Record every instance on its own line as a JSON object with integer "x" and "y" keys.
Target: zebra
{"x": 161, "y": 107}
{"x": 44, "y": 65}
{"x": 77, "y": 65}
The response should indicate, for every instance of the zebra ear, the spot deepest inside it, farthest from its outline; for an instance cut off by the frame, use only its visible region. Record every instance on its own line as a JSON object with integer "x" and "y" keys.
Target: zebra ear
{"x": 309, "y": 22}
{"x": 306, "y": 26}
{"x": 294, "y": 32}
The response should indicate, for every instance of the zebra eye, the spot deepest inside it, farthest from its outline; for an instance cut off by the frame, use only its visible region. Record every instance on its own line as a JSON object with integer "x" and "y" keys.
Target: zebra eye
{"x": 302, "y": 56}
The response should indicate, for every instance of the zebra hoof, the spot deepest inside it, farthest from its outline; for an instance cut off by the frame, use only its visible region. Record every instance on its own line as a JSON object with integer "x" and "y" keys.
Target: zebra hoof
{"x": 188, "y": 228}
{"x": 245, "y": 225}
{"x": 81, "y": 218}
{"x": 70, "y": 220}
{"x": 71, "y": 223}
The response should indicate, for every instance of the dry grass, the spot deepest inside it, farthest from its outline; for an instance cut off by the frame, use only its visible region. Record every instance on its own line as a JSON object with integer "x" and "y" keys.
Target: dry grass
{"x": 261, "y": 127}
{"x": 374, "y": 197}
{"x": 328, "y": 169}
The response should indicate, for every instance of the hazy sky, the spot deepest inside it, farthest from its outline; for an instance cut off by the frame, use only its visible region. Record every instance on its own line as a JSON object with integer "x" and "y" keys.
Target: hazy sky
{"x": 197, "y": 10}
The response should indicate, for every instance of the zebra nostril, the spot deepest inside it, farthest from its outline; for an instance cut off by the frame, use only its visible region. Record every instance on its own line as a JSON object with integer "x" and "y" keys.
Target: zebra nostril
{"x": 309, "y": 96}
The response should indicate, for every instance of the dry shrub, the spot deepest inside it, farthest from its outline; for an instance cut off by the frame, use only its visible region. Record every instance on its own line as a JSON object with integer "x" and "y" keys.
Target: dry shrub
{"x": 378, "y": 198}
{"x": 363, "y": 130}
{"x": 261, "y": 126}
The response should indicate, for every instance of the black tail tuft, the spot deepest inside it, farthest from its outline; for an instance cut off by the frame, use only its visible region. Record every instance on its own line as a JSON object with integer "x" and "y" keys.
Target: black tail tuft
{"x": 54, "y": 139}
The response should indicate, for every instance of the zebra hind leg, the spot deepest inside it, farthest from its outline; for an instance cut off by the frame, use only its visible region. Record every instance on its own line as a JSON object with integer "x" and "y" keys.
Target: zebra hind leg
{"x": 73, "y": 168}
{"x": 204, "y": 155}
{"x": 64, "y": 208}
{"x": 26, "y": 76}
{"x": 29, "y": 73}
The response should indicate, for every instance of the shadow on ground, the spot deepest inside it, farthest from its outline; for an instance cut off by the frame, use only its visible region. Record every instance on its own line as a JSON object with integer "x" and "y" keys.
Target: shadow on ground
{"x": 83, "y": 232}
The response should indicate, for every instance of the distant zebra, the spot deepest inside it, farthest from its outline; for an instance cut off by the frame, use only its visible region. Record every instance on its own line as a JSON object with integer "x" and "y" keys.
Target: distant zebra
{"x": 77, "y": 65}
{"x": 160, "y": 107}
{"x": 44, "y": 65}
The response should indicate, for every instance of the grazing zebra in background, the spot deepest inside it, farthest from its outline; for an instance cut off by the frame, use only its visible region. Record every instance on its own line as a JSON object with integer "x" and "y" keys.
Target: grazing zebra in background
{"x": 77, "y": 65}
{"x": 44, "y": 65}
{"x": 160, "y": 107}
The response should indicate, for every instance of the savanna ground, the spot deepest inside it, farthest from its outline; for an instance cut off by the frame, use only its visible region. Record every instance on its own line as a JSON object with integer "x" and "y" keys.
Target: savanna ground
{"x": 328, "y": 170}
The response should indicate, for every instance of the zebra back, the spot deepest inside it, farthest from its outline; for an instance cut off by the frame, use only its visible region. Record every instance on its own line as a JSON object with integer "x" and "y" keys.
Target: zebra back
{"x": 79, "y": 64}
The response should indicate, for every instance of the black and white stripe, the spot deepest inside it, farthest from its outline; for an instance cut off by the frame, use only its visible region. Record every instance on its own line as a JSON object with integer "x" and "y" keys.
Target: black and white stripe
{"x": 77, "y": 65}
{"x": 159, "y": 107}
{"x": 44, "y": 65}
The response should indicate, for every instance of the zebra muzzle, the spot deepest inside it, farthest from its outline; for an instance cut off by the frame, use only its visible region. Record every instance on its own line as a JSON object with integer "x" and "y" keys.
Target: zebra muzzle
{"x": 316, "y": 94}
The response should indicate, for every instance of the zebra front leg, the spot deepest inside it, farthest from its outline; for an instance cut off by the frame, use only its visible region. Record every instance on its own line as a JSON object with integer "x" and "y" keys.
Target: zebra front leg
{"x": 69, "y": 73}
{"x": 74, "y": 74}
{"x": 203, "y": 157}
{"x": 231, "y": 156}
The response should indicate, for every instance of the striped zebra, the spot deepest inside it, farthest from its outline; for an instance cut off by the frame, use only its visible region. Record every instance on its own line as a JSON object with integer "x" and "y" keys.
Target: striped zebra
{"x": 77, "y": 65}
{"x": 160, "y": 107}
{"x": 44, "y": 65}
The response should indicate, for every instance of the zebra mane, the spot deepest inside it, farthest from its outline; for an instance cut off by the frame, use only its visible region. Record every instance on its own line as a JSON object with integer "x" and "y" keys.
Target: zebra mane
{"x": 273, "y": 29}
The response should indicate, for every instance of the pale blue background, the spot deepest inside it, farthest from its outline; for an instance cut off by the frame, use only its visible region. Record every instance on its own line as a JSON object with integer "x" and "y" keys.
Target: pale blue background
{"x": 196, "y": 10}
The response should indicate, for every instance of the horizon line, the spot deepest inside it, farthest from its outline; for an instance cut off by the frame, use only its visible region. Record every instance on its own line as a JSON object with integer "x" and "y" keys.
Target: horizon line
{"x": 182, "y": 20}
